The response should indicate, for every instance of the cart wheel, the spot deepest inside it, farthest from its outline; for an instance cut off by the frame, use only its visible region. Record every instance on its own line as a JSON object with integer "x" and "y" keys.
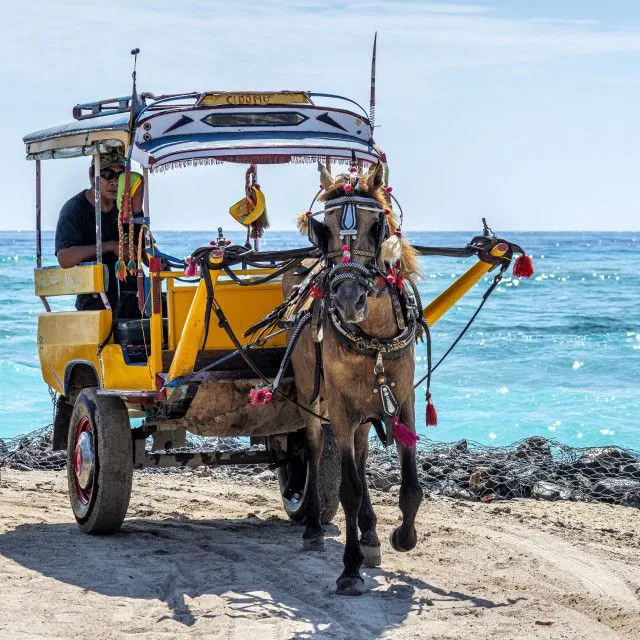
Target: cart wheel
{"x": 99, "y": 462}
{"x": 292, "y": 477}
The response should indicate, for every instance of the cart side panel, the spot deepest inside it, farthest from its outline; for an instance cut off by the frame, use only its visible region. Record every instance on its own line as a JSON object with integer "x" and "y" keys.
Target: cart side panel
{"x": 119, "y": 374}
{"x": 243, "y": 307}
{"x": 66, "y": 336}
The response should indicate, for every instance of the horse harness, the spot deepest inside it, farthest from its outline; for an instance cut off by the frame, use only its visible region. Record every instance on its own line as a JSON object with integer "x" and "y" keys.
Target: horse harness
{"x": 310, "y": 302}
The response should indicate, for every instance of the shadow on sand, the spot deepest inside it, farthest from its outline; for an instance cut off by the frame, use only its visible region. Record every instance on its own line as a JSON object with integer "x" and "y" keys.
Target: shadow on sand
{"x": 245, "y": 562}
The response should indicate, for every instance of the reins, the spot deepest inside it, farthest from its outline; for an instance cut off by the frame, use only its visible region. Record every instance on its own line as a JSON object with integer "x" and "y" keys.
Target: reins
{"x": 285, "y": 261}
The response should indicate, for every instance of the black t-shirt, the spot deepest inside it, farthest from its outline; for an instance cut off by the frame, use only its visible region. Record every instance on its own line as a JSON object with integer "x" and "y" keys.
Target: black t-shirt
{"x": 77, "y": 227}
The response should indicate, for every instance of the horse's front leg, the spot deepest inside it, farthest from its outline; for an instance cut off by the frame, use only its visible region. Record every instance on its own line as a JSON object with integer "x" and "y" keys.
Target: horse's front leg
{"x": 404, "y": 537}
{"x": 313, "y": 536}
{"x": 369, "y": 542}
{"x": 350, "y": 583}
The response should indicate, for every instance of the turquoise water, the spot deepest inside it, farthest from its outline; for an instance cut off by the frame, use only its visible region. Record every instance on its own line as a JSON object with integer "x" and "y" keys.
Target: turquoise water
{"x": 557, "y": 355}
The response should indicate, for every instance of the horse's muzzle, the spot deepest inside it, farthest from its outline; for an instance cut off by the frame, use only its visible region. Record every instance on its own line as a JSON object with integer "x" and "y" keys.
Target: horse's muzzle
{"x": 350, "y": 301}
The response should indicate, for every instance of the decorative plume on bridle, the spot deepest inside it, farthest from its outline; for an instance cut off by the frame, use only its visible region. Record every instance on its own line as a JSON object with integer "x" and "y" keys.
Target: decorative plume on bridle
{"x": 395, "y": 248}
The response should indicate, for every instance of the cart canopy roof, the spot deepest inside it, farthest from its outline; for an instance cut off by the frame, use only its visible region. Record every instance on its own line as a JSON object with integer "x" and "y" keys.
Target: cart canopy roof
{"x": 208, "y": 128}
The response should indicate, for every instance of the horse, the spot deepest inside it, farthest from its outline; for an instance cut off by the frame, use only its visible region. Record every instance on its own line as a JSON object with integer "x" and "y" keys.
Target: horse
{"x": 355, "y": 362}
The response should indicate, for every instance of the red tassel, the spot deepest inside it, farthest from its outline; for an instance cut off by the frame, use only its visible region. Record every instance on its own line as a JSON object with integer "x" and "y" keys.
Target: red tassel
{"x": 432, "y": 414}
{"x": 523, "y": 267}
{"x": 403, "y": 434}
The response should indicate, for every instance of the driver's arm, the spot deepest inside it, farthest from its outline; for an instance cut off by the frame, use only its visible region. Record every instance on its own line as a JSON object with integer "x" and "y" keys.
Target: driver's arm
{"x": 71, "y": 256}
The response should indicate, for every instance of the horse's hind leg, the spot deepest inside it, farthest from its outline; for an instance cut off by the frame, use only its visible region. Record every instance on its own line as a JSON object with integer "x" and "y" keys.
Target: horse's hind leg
{"x": 369, "y": 542}
{"x": 313, "y": 536}
{"x": 404, "y": 537}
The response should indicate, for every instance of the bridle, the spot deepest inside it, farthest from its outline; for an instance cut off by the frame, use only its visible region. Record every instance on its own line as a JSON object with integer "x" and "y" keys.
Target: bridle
{"x": 344, "y": 269}
{"x": 363, "y": 273}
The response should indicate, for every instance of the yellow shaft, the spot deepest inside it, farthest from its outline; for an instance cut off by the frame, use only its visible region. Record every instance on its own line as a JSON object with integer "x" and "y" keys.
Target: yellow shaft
{"x": 448, "y": 298}
{"x": 184, "y": 358}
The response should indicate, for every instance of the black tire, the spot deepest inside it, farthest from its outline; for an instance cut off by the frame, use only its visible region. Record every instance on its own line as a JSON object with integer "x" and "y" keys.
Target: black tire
{"x": 100, "y": 480}
{"x": 293, "y": 476}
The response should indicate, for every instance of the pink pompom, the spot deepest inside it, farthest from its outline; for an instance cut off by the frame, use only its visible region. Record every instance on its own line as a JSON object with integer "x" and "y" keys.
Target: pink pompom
{"x": 260, "y": 396}
{"x": 347, "y": 188}
{"x": 345, "y": 247}
{"x": 192, "y": 267}
{"x": 308, "y": 214}
{"x": 403, "y": 434}
{"x": 352, "y": 169}
{"x": 389, "y": 189}
{"x": 345, "y": 259}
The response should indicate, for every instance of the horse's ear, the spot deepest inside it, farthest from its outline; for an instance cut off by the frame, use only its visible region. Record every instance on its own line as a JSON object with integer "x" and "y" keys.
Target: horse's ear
{"x": 375, "y": 177}
{"x": 325, "y": 177}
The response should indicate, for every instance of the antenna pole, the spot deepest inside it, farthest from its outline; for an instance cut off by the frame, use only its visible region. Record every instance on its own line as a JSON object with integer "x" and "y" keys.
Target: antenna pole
{"x": 134, "y": 98}
{"x": 372, "y": 98}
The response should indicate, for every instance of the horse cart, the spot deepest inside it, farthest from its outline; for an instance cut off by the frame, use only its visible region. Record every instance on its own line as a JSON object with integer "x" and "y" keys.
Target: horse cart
{"x": 210, "y": 352}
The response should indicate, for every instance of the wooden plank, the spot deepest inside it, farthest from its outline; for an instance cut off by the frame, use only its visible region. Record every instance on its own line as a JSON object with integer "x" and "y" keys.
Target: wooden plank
{"x": 85, "y": 278}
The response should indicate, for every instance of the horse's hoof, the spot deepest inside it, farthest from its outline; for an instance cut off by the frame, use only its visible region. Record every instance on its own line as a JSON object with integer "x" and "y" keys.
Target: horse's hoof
{"x": 313, "y": 544}
{"x": 371, "y": 555}
{"x": 403, "y": 545}
{"x": 350, "y": 586}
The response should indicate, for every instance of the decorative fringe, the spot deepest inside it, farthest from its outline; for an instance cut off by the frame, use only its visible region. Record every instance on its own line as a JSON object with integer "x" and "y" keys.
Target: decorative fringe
{"x": 403, "y": 434}
{"x": 132, "y": 267}
{"x": 302, "y": 222}
{"x": 391, "y": 249}
{"x": 255, "y": 159}
{"x": 260, "y": 396}
{"x": 432, "y": 414}
{"x": 258, "y": 226}
{"x": 523, "y": 267}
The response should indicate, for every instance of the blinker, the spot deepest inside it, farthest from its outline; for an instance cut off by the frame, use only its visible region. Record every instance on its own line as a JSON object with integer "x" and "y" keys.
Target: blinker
{"x": 348, "y": 225}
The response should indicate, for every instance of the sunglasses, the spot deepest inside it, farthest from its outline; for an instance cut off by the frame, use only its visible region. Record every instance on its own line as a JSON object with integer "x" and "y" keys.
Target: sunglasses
{"x": 110, "y": 174}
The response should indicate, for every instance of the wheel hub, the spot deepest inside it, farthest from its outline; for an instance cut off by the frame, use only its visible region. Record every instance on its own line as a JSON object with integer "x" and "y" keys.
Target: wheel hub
{"x": 84, "y": 460}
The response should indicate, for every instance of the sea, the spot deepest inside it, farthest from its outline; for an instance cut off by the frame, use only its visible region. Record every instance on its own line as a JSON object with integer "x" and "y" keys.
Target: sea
{"x": 557, "y": 355}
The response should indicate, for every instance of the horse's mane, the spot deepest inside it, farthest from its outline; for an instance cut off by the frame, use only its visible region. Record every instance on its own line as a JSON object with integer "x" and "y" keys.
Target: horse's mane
{"x": 408, "y": 257}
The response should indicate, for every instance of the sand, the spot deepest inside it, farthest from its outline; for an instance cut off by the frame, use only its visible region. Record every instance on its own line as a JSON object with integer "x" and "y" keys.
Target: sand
{"x": 210, "y": 557}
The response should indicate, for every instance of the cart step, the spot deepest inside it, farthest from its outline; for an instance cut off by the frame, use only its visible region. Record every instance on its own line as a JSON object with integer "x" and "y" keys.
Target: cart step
{"x": 184, "y": 459}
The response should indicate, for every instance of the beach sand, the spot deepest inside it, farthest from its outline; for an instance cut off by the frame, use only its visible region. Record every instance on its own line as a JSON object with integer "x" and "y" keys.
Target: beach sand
{"x": 207, "y": 556}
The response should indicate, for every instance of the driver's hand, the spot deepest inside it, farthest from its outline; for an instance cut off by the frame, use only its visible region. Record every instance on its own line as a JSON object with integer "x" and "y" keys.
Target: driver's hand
{"x": 110, "y": 246}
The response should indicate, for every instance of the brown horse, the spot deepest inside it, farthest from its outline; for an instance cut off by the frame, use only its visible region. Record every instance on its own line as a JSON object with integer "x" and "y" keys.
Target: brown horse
{"x": 364, "y": 332}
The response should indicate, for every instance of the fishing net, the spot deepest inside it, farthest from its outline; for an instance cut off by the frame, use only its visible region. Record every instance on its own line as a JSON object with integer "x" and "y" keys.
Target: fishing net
{"x": 536, "y": 467}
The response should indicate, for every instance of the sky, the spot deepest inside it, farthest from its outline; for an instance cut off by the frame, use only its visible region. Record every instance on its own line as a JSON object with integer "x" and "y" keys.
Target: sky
{"x": 523, "y": 112}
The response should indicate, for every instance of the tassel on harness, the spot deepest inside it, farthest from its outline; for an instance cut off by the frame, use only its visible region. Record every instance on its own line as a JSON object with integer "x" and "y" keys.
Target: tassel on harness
{"x": 432, "y": 414}
{"x": 403, "y": 434}
{"x": 523, "y": 266}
